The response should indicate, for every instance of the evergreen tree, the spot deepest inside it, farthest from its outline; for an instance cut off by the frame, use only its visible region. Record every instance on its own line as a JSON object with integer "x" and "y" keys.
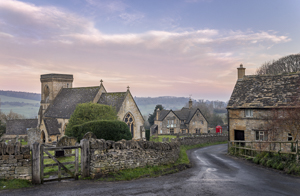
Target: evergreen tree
{"x": 153, "y": 116}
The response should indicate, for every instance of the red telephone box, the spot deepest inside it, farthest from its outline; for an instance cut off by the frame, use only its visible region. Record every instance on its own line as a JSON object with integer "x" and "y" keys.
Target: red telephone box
{"x": 218, "y": 129}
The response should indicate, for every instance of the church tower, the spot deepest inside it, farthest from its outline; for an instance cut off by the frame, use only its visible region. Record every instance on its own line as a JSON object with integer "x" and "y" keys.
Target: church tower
{"x": 50, "y": 87}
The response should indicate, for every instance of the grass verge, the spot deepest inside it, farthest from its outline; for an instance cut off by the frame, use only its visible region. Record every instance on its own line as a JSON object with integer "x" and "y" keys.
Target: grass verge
{"x": 14, "y": 184}
{"x": 182, "y": 163}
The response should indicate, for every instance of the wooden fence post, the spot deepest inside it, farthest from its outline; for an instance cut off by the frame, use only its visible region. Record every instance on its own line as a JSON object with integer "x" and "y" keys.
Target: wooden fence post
{"x": 85, "y": 161}
{"x": 36, "y": 161}
{"x": 297, "y": 155}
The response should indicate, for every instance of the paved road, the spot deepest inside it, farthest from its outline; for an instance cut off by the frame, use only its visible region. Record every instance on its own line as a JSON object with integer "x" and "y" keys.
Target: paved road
{"x": 213, "y": 173}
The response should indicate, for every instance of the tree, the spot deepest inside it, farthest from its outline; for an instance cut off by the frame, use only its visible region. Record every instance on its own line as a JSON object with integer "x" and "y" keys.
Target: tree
{"x": 86, "y": 112}
{"x": 153, "y": 116}
{"x": 10, "y": 116}
{"x": 285, "y": 64}
{"x": 215, "y": 120}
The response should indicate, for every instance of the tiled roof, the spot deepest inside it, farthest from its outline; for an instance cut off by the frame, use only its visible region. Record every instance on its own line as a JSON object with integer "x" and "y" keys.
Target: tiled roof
{"x": 52, "y": 126}
{"x": 20, "y": 126}
{"x": 163, "y": 114}
{"x": 113, "y": 99}
{"x": 266, "y": 91}
{"x": 65, "y": 102}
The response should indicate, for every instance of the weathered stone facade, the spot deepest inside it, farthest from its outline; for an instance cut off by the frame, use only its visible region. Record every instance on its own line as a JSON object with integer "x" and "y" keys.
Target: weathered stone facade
{"x": 254, "y": 102}
{"x": 186, "y": 120}
{"x": 59, "y": 100}
{"x": 15, "y": 161}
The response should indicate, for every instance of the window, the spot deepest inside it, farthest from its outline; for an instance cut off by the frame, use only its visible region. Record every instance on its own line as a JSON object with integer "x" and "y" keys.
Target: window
{"x": 129, "y": 120}
{"x": 248, "y": 113}
{"x": 183, "y": 131}
{"x": 290, "y": 137}
{"x": 261, "y": 136}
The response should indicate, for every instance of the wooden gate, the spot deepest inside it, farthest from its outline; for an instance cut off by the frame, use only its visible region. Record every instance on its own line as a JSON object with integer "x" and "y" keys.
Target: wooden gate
{"x": 68, "y": 173}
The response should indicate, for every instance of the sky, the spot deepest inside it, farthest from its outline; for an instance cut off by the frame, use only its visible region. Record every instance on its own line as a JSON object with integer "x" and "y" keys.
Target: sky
{"x": 157, "y": 47}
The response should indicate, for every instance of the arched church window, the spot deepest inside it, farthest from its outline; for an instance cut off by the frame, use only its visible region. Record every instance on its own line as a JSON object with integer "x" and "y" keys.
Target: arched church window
{"x": 129, "y": 120}
{"x": 43, "y": 137}
{"x": 46, "y": 93}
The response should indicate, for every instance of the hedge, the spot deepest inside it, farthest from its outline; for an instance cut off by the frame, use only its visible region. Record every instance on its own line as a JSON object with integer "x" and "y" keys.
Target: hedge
{"x": 103, "y": 129}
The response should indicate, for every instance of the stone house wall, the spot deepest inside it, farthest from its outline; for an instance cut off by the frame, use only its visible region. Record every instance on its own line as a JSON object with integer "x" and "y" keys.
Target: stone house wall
{"x": 196, "y": 123}
{"x": 166, "y": 128}
{"x": 15, "y": 161}
{"x": 238, "y": 121}
{"x": 130, "y": 106}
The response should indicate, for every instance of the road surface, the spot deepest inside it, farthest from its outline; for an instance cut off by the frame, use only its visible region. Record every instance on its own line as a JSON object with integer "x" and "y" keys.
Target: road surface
{"x": 213, "y": 173}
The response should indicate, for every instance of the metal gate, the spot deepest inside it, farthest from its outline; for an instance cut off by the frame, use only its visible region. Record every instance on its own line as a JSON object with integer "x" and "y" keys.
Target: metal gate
{"x": 63, "y": 172}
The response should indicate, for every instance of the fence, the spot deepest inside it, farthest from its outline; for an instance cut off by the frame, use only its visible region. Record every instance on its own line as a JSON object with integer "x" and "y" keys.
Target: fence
{"x": 249, "y": 148}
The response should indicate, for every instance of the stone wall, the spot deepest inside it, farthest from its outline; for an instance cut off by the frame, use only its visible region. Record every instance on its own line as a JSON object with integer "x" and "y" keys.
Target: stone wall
{"x": 110, "y": 156}
{"x": 15, "y": 161}
{"x": 201, "y": 139}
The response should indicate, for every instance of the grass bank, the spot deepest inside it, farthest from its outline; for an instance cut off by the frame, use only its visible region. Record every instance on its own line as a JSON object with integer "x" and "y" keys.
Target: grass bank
{"x": 182, "y": 163}
{"x": 14, "y": 184}
{"x": 284, "y": 162}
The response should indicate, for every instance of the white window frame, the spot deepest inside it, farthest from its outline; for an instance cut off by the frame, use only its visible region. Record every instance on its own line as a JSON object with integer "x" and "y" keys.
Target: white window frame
{"x": 260, "y": 136}
{"x": 248, "y": 112}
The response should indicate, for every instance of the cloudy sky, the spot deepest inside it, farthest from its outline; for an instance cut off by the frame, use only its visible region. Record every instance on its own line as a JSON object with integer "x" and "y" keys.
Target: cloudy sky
{"x": 157, "y": 47}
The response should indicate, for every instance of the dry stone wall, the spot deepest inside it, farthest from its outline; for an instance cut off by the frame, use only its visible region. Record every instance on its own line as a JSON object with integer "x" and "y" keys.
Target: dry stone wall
{"x": 110, "y": 156}
{"x": 201, "y": 139}
{"x": 15, "y": 161}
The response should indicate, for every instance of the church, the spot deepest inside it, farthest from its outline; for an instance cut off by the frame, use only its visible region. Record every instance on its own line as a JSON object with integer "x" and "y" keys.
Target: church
{"x": 59, "y": 99}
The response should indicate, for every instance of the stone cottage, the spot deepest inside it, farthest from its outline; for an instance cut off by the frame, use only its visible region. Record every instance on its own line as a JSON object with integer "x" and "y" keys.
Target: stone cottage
{"x": 186, "y": 120}
{"x": 257, "y": 101}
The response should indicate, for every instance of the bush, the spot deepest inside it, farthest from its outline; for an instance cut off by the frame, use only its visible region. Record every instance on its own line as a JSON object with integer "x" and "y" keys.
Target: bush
{"x": 103, "y": 129}
{"x": 86, "y": 112}
{"x": 147, "y": 134}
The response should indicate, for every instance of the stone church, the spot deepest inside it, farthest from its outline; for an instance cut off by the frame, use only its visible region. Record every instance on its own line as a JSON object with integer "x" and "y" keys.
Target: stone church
{"x": 59, "y": 100}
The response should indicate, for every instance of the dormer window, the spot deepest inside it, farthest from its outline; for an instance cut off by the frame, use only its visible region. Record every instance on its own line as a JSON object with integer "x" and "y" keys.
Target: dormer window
{"x": 248, "y": 112}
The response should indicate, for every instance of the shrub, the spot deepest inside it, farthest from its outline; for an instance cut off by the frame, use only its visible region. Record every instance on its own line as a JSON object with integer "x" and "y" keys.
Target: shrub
{"x": 280, "y": 166}
{"x": 103, "y": 129}
{"x": 86, "y": 112}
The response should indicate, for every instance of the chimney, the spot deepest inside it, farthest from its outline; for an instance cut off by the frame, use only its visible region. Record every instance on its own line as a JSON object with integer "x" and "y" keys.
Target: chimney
{"x": 241, "y": 72}
{"x": 157, "y": 113}
{"x": 190, "y": 103}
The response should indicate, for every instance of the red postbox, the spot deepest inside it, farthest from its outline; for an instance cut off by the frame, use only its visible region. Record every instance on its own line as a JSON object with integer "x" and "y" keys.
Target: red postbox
{"x": 218, "y": 129}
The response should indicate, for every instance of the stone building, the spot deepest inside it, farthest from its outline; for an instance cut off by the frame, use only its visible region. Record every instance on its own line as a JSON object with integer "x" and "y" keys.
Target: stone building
{"x": 19, "y": 127}
{"x": 59, "y": 100}
{"x": 255, "y": 101}
{"x": 186, "y": 120}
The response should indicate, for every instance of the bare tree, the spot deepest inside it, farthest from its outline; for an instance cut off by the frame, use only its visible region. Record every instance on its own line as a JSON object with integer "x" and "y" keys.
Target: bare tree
{"x": 10, "y": 116}
{"x": 285, "y": 64}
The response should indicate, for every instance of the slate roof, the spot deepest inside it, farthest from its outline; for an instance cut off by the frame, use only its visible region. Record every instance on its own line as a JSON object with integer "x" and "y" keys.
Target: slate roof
{"x": 52, "y": 126}
{"x": 20, "y": 126}
{"x": 113, "y": 99}
{"x": 65, "y": 102}
{"x": 256, "y": 91}
{"x": 183, "y": 114}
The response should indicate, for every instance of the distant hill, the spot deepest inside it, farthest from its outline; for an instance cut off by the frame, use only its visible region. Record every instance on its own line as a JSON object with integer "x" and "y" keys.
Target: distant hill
{"x": 23, "y": 95}
{"x": 27, "y": 104}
